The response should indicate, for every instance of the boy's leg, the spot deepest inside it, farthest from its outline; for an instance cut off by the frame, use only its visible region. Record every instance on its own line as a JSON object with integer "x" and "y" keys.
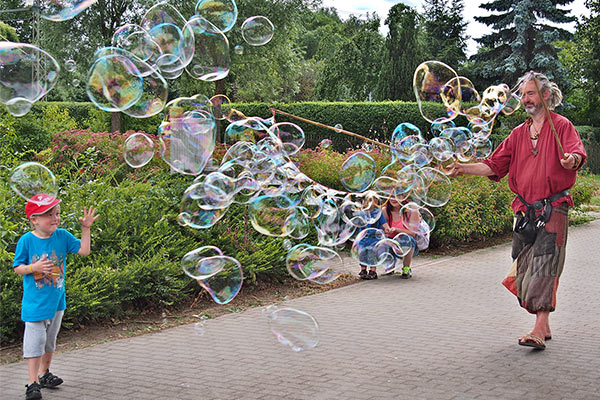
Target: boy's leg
{"x": 47, "y": 379}
{"x": 33, "y": 365}
{"x": 34, "y": 340}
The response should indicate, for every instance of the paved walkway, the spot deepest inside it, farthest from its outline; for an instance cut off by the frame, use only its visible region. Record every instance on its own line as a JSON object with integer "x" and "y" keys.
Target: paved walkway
{"x": 449, "y": 333}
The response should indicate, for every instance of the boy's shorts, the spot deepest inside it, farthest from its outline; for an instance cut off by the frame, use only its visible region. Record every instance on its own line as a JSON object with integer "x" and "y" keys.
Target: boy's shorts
{"x": 40, "y": 336}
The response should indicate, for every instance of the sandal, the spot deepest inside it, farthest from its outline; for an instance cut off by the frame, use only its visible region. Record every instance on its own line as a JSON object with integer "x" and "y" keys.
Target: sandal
{"x": 49, "y": 380}
{"x": 534, "y": 341}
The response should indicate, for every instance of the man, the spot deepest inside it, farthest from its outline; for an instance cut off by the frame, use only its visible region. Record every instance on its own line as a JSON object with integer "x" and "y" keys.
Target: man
{"x": 540, "y": 174}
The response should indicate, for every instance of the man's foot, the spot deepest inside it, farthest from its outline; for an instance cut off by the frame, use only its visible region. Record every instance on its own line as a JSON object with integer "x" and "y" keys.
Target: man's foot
{"x": 531, "y": 340}
{"x": 33, "y": 391}
{"x": 372, "y": 275}
{"x": 406, "y": 273}
{"x": 363, "y": 274}
{"x": 49, "y": 380}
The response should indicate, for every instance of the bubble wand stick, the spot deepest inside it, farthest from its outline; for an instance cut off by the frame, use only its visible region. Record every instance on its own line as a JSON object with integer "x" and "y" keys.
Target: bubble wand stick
{"x": 330, "y": 127}
{"x": 537, "y": 87}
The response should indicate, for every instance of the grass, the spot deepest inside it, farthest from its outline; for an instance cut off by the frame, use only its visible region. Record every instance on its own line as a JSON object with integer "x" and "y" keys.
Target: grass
{"x": 596, "y": 198}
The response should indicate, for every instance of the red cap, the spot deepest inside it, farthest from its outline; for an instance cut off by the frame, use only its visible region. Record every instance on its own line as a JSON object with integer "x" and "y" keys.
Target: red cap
{"x": 39, "y": 204}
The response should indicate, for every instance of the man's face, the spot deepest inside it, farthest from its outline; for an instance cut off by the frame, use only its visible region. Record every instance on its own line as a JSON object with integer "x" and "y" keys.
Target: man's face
{"x": 531, "y": 100}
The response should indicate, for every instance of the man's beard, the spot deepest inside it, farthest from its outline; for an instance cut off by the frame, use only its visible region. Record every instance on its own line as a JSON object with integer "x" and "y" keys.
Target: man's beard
{"x": 532, "y": 109}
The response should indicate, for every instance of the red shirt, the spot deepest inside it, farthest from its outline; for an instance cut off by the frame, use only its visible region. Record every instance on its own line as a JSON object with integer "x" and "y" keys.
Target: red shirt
{"x": 537, "y": 177}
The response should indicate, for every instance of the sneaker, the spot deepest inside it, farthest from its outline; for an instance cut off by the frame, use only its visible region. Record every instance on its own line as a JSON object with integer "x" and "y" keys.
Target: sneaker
{"x": 406, "y": 273}
{"x": 49, "y": 380}
{"x": 363, "y": 274}
{"x": 372, "y": 275}
{"x": 33, "y": 391}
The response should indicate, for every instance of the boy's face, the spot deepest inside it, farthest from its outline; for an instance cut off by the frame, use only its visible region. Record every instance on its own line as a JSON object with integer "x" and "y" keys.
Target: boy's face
{"x": 48, "y": 222}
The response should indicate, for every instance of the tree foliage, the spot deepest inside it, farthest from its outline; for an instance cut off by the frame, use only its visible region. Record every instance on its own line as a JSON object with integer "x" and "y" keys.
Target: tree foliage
{"x": 445, "y": 28}
{"x": 522, "y": 40}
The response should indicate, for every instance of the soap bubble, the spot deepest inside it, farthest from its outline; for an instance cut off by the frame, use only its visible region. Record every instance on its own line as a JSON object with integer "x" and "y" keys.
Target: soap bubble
{"x": 358, "y": 172}
{"x": 403, "y": 130}
{"x": 441, "y": 148}
{"x": 199, "y": 263}
{"x": 227, "y": 282}
{"x": 436, "y": 188}
{"x": 364, "y": 248}
{"x": 430, "y": 81}
{"x": 317, "y": 264}
{"x": 63, "y": 10}
{"x": 482, "y": 148}
{"x": 325, "y": 143}
{"x": 31, "y": 179}
{"x": 287, "y": 244}
{"x": 338, "y": 127}
{"x": 238, "y": 49}
{"x": 268, "y": 215}
{"x": 291, "y": 135}
{"x": 221, "y": 13}
{"x": 257, "y": 30}
{"x": 211, "y": 60}
{"x": 136, "y": 40}
{"x": 367, "y": 147}
{"x": 75, "y": 82}
{"x": 294, "y": 328}
{"x": 138, "y": 150}
{"x": 192, "y": 211}
{"x": 70, "y": 65}
{"x": 439, "y": 125}
{"x": 221, "y": 106}
{"x": 27, "y": 73}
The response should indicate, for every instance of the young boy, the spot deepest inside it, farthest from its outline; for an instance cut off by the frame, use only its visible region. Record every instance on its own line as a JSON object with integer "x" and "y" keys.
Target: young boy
{"x": 40, "y": 257}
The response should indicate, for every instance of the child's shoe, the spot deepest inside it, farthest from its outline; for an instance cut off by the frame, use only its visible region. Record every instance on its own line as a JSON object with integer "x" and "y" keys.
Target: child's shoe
{"x": 363, "y": 274}
{"x": 372, "y": 275}
{"x": 49, "y": 380}
{"x": 406, "y": 273}
{"x": 33, "y": 391}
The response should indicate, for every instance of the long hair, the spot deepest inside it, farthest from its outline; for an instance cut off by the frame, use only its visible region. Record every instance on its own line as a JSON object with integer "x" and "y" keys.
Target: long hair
{"x": 545, "y": 85}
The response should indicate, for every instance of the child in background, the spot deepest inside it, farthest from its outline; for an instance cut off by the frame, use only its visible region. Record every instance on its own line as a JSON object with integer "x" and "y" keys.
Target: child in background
{"x": 40, "y": 257}
{"x": 372, "y": 213}
{"x": 398, "y": 222}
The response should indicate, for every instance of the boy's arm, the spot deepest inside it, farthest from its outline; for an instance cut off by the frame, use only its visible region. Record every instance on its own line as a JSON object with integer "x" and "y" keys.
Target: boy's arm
{"x": 89, "y": 216}
{"x": 43, "y": 265}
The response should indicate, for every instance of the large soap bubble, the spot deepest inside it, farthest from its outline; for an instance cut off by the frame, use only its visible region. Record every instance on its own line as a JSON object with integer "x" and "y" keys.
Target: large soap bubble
{"x": 138, "y": 150}
{"x": 358, "y": 172}
{"x": 257, "y": 30}
{"x": 200, "y": 264}
{"x": 27, "y": 73}
{"x": 32, "y": 178}
{"x": 221, "y": 13}
{"x": 269, "y": 215}
{"x": 317, "y": 264}
{"x": 294, "y": 328}
{"x": 431, "y": 79}
{"x": 63, "y": 10}
{"x": 211, "y": 60}
{"x": 227, "y": 282}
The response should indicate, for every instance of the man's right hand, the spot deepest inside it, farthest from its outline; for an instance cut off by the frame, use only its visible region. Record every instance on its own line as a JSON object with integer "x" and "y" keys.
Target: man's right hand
{"x": 456, "y": 169}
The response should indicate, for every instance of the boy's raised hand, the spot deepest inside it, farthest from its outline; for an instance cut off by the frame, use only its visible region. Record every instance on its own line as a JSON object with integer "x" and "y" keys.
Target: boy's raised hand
{"x": 89, "y": 216}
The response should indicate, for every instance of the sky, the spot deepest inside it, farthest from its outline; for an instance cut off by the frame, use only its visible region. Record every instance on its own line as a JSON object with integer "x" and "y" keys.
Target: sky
{"x": 474, "y": 29}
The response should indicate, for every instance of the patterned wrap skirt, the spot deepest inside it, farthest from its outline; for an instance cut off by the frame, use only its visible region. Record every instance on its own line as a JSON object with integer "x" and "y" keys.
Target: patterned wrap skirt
{"x": 537, "y": 267}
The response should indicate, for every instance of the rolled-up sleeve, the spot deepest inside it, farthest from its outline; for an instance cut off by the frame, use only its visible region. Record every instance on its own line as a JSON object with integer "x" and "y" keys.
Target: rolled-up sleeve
{"x": 499, "y": 161}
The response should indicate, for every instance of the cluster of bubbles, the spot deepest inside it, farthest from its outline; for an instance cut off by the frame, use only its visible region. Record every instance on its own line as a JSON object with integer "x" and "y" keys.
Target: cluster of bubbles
{"x": 131, "y": 74}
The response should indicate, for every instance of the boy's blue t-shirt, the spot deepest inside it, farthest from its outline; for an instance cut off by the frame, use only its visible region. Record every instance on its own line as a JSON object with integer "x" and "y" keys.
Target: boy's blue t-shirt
{"x": 44, "y": 296}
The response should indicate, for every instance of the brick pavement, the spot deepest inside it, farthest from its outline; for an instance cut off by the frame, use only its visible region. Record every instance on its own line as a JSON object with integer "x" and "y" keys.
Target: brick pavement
{"x": 449, "y": 333}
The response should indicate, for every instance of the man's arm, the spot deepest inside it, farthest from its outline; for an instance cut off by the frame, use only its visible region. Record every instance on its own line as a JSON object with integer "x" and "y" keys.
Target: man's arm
{"x": 479, "y": 169}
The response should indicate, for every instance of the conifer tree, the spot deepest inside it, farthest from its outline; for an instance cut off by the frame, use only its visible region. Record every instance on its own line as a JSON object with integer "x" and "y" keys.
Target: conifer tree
{"x": 522, "y": 40}
{"x": 445, "y": 28}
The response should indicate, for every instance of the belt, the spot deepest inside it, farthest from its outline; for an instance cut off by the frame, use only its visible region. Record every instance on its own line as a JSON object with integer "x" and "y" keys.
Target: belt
{"x": 545, "y": 205}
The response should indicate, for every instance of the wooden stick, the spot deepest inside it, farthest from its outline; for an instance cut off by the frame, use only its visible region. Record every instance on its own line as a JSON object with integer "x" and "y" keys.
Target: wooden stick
{"x": 562, "y": 151}
{"x": 331, "y": 128}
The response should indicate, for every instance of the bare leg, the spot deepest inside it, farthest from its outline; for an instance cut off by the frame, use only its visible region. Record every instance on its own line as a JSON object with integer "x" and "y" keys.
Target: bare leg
{"x": 542, "y": 325}
{"x": 45, "y": 363}
{"x": 33, "y": 365}
{"x": 407, "y": 259}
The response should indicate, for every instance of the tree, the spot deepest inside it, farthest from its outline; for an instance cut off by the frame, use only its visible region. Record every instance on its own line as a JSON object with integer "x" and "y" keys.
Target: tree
{"x": 445, "y": 31}
{"x": 402, "y": 54}
{"x": 522, "y": 40}
{"x": 8, "y": 33}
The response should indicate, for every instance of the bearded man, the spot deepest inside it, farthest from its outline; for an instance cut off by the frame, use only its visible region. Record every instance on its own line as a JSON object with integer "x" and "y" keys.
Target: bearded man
{"x": 540, "y": 175}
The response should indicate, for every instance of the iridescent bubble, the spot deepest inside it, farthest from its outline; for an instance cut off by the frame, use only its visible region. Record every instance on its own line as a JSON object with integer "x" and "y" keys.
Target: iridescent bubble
{"x": 257, "y": 30}
{"x": 238, "y": 49}
{"x": 367, "y": 147}
{"x": 245, "y": 130}
{"x": 75, "y": 82}
{"x": 138, "y": 150}
{"x": 63, "y": 10}
{"x": 193, "y": 212}
{"x": 338, "y": 127}
{"x": 114, "y": 83}
{"x": 291, "y": 135}
{"x": 211, "y": 60}
{"x": 406, "y": 243}
{"x": 268, "y": 215}
{"x": 299, "y": 224}
{"x": 456, "y": 104}
{"x": 436, "y": 188}
{"x": 403, "y": 130}
{"x": 294, "y": 328}
{"x": 439, "y": 125}
{"x": 70, "y": 65}
{"x": 221, "y": 106}
{"x": 420, "y": 219}
{"x": 226, "y": 284}
{"x": 331, "y": 228}
{"x": 325, "y": 143}
{"x": 31, "y": 179}
{"x": 441, "y": 148}
{"x": 187, "y": 134}
{"x": 287, "y": 244}
{"x": 358, "y": 172}
{"x": 221, "y": 13}
{"x": 431, "y": 78}
{"x": 317, "y": 264}
{"x": 364, "y": 247}
{"x": 404, "y": 150}
{"x": 27, "y": 73}
{"x": 200, "y": 263}
{"x": 137, "y": 41}
{"x": 482, "y": 148}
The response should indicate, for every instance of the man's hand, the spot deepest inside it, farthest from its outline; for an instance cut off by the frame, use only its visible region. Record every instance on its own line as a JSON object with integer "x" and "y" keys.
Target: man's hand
{"x": 89, "y": 216}
{"x": 569, "y": 161}
{"x": 456, "y": 169}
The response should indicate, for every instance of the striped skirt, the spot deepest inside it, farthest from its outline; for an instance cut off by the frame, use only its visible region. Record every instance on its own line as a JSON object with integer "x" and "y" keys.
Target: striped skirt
{"x": 537, "y": 267}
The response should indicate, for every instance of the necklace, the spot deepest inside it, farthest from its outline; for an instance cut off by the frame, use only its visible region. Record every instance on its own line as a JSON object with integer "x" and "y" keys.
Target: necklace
{"x": 534, "y": 136}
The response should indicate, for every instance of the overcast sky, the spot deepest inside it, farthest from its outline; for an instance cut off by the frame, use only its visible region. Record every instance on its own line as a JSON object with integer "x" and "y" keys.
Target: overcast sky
{"x": 474, "y": 29}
